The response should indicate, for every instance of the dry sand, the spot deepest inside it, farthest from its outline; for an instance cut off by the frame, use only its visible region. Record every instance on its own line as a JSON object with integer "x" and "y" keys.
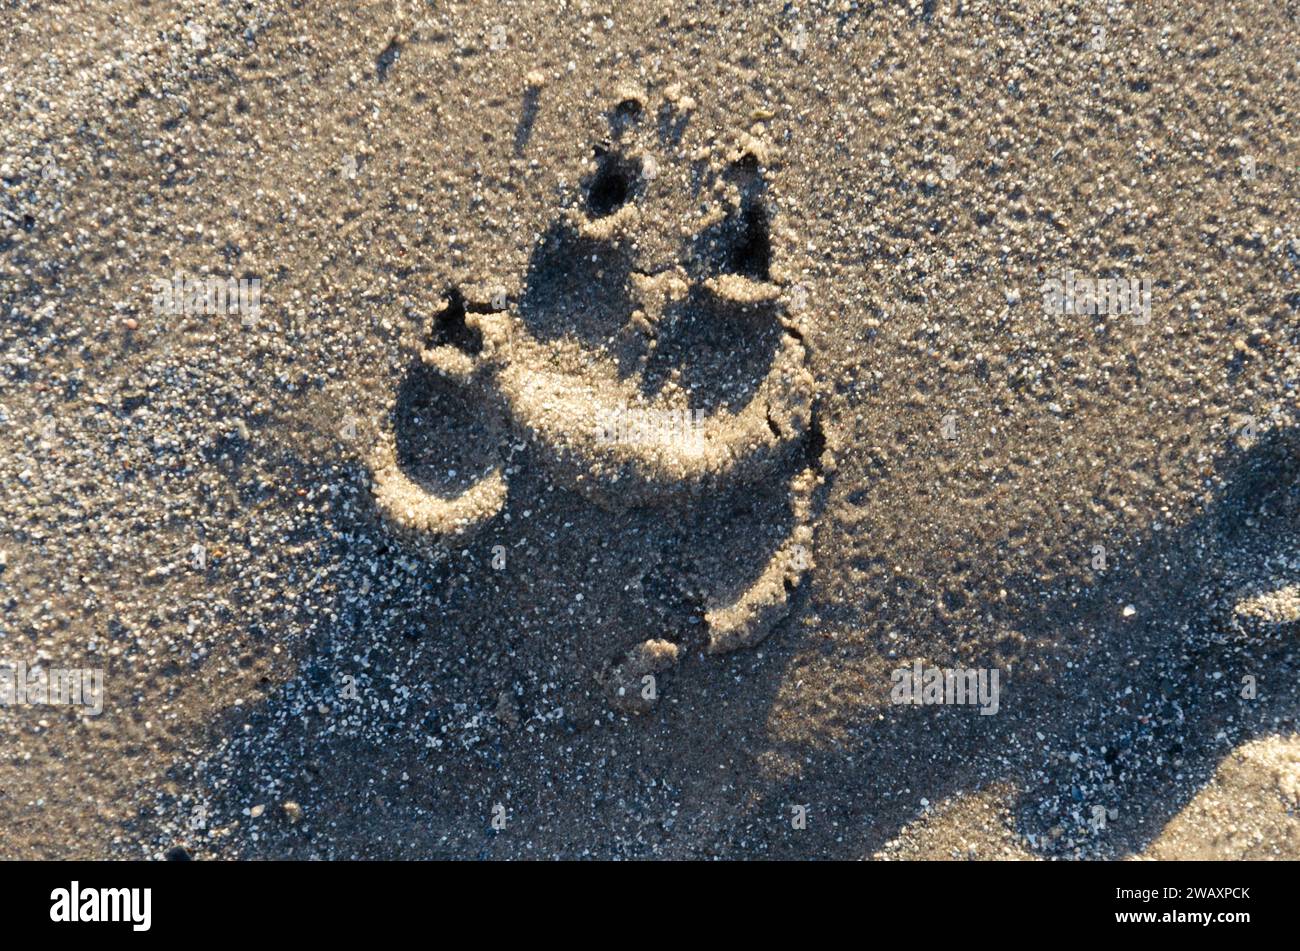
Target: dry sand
{"x": 365, "y": 576}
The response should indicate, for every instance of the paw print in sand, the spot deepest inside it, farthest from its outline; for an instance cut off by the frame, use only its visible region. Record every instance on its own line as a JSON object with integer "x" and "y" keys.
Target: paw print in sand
{"x": 652, "y": 358}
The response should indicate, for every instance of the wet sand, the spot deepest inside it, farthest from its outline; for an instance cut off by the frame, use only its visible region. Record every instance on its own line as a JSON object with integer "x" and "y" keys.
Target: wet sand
{"x": 479, "y": 231}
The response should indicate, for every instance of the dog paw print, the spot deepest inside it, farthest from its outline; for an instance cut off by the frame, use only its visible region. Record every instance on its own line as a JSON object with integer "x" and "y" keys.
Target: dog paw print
{"x": 652, "y": 357}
